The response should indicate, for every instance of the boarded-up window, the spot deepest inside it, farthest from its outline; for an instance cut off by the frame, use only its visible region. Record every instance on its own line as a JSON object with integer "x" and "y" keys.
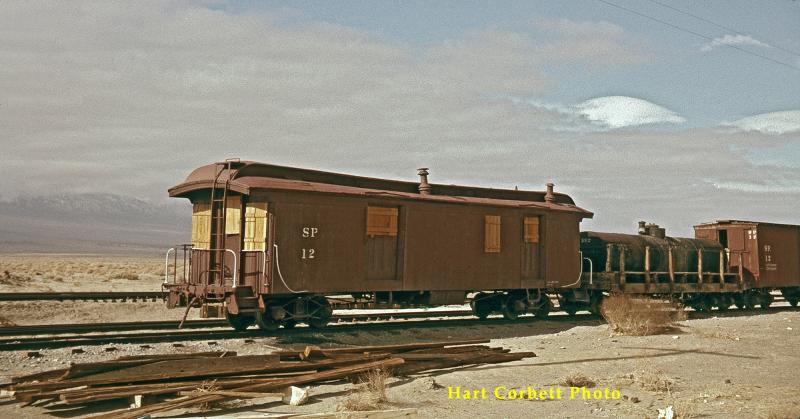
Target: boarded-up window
{"x": 233, "y": 215}
{"x": 381, "y": 221}
{"x": 201, "y": 225}
{"x": 492, "y": 234}
{"x": 255, "y": 226}
{"x": 531, "y": 229}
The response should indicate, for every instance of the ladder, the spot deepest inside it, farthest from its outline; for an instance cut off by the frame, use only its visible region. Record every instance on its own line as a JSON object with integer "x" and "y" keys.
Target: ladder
{"x": 219, "y": 209}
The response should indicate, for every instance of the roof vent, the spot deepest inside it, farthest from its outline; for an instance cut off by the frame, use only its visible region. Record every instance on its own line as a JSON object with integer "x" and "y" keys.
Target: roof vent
{"x": 424, "y": 186}
{"x": 653, "y": 230}
{"x": 549, "y": 197}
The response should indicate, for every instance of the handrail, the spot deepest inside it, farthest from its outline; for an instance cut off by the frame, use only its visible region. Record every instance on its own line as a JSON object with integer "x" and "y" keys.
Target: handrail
{"x": 263, "y": 262}
{"x": 235, "y": 265}
{"x": 591, "y": 270}
{"x": 580, "y": 275}
{"x": 280, "y": 275}
{"x": 166, "y": 264}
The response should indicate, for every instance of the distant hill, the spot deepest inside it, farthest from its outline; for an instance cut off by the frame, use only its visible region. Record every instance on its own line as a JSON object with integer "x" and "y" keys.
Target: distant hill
{"x": 96, "y": 223}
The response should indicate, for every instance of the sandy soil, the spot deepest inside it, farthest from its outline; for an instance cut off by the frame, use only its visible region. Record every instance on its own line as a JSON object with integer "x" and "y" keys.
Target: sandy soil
{"x": 76, "y": 273}
{"x": 733, "y": 366}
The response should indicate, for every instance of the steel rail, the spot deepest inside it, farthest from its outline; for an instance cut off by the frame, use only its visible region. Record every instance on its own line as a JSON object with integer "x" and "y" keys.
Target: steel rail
{"x": 57, "y": 329}
{"x": 83, "y": 296}
{"x": 53, "y": 342}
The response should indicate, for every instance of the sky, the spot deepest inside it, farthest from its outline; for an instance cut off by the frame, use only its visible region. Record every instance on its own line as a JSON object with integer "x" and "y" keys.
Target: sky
{"x": 673, "y": 112}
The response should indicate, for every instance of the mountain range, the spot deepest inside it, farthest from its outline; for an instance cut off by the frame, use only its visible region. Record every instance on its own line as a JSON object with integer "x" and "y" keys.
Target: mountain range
{"x": 92, "y": 223}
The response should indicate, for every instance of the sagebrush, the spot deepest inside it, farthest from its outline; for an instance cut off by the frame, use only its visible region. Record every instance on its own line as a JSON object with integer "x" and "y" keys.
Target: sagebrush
{"x": 640, "y": 316}
{"x": 369, "y": 394}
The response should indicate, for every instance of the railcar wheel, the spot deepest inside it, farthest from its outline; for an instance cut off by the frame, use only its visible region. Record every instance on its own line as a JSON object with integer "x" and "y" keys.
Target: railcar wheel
{"x": 569, "y": 308}
{"x": 264, "y": 322}
{"x": 481, "y": 305}
{"x": 738, "y": 301}
{"x": 595, "y": 303}
{"x": 750, "y": 299}
{"x": 239, "y": 322}
{"x": 722, "y": 302}
{"x": 702, "y": 304}
{"x": 512, "y": 307}
{"x": 792, "y": 295}
{"x": 764, "y": 300}
{"x": 321, "y": 312}
{"x": 544, "y": 309}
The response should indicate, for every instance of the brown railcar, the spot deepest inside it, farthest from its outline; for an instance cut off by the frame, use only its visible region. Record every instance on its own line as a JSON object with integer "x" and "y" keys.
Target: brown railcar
{"x": 272, "y": 242}
{"x": 768, "y": 253}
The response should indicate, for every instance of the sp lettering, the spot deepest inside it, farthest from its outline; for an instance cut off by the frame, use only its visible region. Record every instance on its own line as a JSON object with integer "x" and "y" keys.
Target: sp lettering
{"x": 308, "y": 233}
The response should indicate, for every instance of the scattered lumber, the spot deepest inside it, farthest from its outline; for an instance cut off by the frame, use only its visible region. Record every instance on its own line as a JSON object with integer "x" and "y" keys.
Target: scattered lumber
{"x": 199, "y": 380}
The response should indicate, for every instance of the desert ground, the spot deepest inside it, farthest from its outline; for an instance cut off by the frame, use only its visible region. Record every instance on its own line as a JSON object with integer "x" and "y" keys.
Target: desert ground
{"x": 720, "y": 365}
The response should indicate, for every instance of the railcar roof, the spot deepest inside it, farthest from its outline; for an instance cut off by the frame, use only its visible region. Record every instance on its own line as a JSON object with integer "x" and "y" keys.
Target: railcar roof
{"x": 743, "y": 222}
{"x": 247, "y": 176}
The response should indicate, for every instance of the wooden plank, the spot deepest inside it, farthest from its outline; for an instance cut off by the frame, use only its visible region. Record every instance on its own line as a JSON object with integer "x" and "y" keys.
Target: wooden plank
{"x": 457, "y": 349}
{"x": 211, "y": 354}
{"x": 383, "y": 348}
{"x": 366, "y": 414}
{"x": 77, "y": 370}
{"x": 39, "y": 376}
{"x": 191, "y": 367}
{"x": 232, "y": 394}
{"x": 202, "y": 372}
{"x": 121, "y": 392}
{"x": 465, "y": 359}
{"x": 188, "y": 401}
{"x": 373, "y": 414}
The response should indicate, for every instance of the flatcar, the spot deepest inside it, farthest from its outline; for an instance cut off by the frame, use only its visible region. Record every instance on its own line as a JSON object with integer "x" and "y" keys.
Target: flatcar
{"x": 272, "y": 242}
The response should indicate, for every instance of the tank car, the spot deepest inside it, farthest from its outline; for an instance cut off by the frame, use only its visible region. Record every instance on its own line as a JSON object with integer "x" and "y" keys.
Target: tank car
{"x": 694, "y": 271}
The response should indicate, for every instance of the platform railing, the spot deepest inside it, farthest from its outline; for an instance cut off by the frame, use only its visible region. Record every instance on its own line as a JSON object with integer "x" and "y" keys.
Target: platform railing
{"x": 187, "y": 260}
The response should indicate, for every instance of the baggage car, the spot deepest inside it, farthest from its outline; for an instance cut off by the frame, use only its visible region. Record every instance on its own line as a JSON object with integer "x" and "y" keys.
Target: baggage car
{"x": 272, "y": 242}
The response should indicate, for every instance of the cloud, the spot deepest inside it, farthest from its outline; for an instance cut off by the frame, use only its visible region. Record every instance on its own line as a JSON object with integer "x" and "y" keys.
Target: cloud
{"x": 117, "y": 97}
{"x": 598, "y": 44}
{"x": 770, "y": 123}
{"x": 733, "y": 40}
{"x": 624, "y": 111}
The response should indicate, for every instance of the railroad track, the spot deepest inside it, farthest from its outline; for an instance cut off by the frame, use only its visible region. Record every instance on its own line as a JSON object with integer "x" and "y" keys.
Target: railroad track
{"x": 56, "y": 329}
{"x": 341, "y": 324}
{"x": 84, "y": 296}
{"x": 338, "y": 326}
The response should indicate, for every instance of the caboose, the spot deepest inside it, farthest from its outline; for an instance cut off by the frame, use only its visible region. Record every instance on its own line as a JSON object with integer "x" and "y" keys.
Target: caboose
{"x": 272, "y": 242}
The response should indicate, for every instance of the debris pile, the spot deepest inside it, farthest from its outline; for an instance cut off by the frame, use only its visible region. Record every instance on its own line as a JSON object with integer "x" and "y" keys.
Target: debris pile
{"x": 162, "y": 383}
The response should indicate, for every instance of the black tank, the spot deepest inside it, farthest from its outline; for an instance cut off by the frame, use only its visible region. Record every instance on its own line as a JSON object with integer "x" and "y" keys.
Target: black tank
{"x": 684, "y": 252}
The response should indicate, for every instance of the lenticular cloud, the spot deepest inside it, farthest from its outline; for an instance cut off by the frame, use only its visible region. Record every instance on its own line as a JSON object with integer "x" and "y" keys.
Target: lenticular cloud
{"x": 769, "y": 123}
{"x": 624, "y": 111}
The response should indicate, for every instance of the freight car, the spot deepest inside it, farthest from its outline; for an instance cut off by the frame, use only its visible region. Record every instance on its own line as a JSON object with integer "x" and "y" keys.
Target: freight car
{"x": 768, "y": 254}
{"x": 272, "y": 242}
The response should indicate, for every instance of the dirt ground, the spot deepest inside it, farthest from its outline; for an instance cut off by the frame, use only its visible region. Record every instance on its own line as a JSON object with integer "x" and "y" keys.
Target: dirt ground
{"x": 721, "y": 366}
{"x": 76, "y": 273}
{"x": 742, "y": 366}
